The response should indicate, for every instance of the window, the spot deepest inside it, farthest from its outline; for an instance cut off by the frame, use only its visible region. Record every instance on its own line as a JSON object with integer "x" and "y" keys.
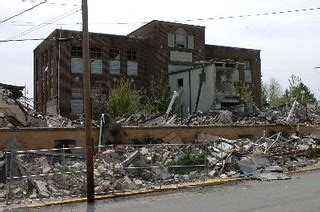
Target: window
{"x": 114, "y": 54}
{"x": 114, "y": 67}
{"x": 180, "y": 82}
{"x": 181, "y": 39}
{"x": 246, "y": 65}
{"x": 114, "y": 63}
{"x": 95, "y": 53}
{"x": 77, "y": 62}
{"x": 247, "y": 76}
{"x": 76, "y": 100}
{"x": 76, "y": 106}
{"x": 76, "y": 93}
{"x": 76, "y": 65}
{"x": 190, "y": 42}
{"x": 96, "y": 66}
{"x": 170, "y": 39}
{"x": 76, "y": 51}
{"x": 132, "y": 68}
{"x": 132, "y": 55}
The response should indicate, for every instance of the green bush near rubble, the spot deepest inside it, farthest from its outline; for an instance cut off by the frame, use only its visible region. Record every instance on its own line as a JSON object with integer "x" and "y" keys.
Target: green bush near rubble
{"x": 313, "y": 152}
{"x": 187, "y": 160}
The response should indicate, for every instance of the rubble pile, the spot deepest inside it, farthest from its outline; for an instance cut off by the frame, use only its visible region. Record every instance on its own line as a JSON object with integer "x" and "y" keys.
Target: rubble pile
{"x": 131, "y": 167}
{"x": 278, "y": 115}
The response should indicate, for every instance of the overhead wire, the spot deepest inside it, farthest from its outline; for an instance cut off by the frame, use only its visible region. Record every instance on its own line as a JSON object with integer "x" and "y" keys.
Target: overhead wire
{"x": 26, "y": 39}
{"x": 52, "y": 21}
{"x": 49, "y": 22}
{"x": 188, "y": 20}
{"x": 24, "y": 11}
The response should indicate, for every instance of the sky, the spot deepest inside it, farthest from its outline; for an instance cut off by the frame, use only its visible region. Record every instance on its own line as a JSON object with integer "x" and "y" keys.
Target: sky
{"x": 289, "y": 43}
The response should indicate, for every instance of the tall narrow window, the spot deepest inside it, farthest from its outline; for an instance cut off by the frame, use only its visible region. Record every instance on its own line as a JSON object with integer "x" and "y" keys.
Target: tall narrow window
{"x": 114, "y": 61}
{"x": 132, "y": 64}
{"x": 76, "y": 100}
{"x": 96, "y": 61}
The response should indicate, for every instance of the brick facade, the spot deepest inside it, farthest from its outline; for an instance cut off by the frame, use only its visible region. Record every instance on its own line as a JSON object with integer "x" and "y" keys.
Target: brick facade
{"x": 157, "y": 52}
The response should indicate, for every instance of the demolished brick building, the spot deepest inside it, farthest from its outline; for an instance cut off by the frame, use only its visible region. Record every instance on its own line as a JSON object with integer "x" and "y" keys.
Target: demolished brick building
{"x": 150, "y": 52}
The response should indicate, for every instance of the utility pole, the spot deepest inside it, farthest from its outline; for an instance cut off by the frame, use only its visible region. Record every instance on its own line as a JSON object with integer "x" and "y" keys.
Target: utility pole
{"x": 86, "y": 102}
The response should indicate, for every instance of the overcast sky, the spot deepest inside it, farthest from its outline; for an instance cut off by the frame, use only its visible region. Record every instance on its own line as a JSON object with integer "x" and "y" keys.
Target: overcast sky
{"x": 289, "y": 43}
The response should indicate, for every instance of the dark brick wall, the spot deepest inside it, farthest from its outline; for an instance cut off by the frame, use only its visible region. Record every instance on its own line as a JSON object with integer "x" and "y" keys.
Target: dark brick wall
{"x": 68, "y": 79}
{"x": 153, "y": 57}
{"x": 240, "y": 54}
{"x": 156, "y": 33}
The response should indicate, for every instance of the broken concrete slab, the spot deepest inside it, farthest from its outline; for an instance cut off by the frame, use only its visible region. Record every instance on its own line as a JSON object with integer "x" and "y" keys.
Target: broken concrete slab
{"x": 133, "y": 157}
{"x": 172, "y": 138}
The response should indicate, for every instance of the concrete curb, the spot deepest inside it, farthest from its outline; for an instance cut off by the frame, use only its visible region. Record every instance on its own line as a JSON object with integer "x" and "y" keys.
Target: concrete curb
{"x": 169, "y": 188}
{"x": 138, "y": 192}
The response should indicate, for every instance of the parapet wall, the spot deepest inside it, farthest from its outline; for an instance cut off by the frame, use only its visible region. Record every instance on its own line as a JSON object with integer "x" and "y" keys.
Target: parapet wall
{"x": 42, "y": 138}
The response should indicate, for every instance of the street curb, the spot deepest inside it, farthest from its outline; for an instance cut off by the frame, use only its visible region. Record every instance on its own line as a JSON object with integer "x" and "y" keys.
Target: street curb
{"x": 138, "y": 192}
{"x": 147, "y": 191}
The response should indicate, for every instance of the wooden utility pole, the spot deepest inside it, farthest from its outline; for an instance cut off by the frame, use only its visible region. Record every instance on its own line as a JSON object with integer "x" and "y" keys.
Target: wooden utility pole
{"x": 86, "y": 102}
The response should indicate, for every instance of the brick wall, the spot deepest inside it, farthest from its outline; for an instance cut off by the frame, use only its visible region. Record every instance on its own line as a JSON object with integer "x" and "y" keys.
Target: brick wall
{"x": 41, "y": 138}
{"x": 101, "y": 41}
{"x": 241, "y": 55}
{"x": 156, "y": 33}
{"x": 151, "y": 43}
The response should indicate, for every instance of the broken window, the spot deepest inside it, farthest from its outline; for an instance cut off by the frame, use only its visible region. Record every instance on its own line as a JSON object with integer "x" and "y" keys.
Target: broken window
{"x": 96, "y": 66}
{"x": 114, "y": 65}
{"x": 180, "y": 82}
{"x": 77, "y": 62}
{"x": 114, "y": 54}
{"x": 181, "y": 38}
{"x": 76, "y": 51}
{"x": 132, "y": 55}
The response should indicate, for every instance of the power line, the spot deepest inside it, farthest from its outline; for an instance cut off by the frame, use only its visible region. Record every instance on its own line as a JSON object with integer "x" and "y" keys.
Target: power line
{"x": 37, "y": 39}
{"x": 187, "y": 20}
{"x": 27, "y": 39}
{"x": 61, "y": 4}
{"x": 27, "y": 10}
{"x": 53, "y": 20}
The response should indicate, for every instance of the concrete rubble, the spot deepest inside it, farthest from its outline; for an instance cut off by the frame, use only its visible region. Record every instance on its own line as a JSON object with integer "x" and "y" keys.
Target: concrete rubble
{"x": 130, "y": 167}
{"x": 278, "y": 115}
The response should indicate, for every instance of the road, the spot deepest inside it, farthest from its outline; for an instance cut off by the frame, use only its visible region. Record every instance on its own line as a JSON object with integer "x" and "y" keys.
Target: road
{"x": 301, "y": 193}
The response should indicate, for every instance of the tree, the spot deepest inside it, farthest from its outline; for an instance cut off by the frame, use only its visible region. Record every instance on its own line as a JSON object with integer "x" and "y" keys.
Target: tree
{"x": 274, "y": 93}
{"x": 299, "y": 91}
{"x": 158, "y": 96}
{"x": 123, "y": 99}
{"x": 245, "y": 92}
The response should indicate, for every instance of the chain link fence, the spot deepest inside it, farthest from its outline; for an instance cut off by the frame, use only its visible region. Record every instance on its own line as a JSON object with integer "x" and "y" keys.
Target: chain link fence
{"x": 53, "y": 174}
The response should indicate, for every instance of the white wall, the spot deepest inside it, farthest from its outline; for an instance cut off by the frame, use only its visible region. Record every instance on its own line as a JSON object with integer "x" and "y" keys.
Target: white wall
{"x": 207, "y": 94}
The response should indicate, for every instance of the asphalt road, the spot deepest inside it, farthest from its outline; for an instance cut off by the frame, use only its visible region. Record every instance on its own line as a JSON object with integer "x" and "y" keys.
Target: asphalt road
{"x": 301, "y": 193}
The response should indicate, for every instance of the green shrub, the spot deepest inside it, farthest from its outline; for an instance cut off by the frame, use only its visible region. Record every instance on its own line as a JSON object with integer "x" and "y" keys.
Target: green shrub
{"x": 187, "y": 160}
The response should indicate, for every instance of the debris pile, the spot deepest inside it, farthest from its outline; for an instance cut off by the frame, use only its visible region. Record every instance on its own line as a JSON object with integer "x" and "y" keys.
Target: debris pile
{"x": 300, "y": 113}
{"x": 51, "y": 174}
